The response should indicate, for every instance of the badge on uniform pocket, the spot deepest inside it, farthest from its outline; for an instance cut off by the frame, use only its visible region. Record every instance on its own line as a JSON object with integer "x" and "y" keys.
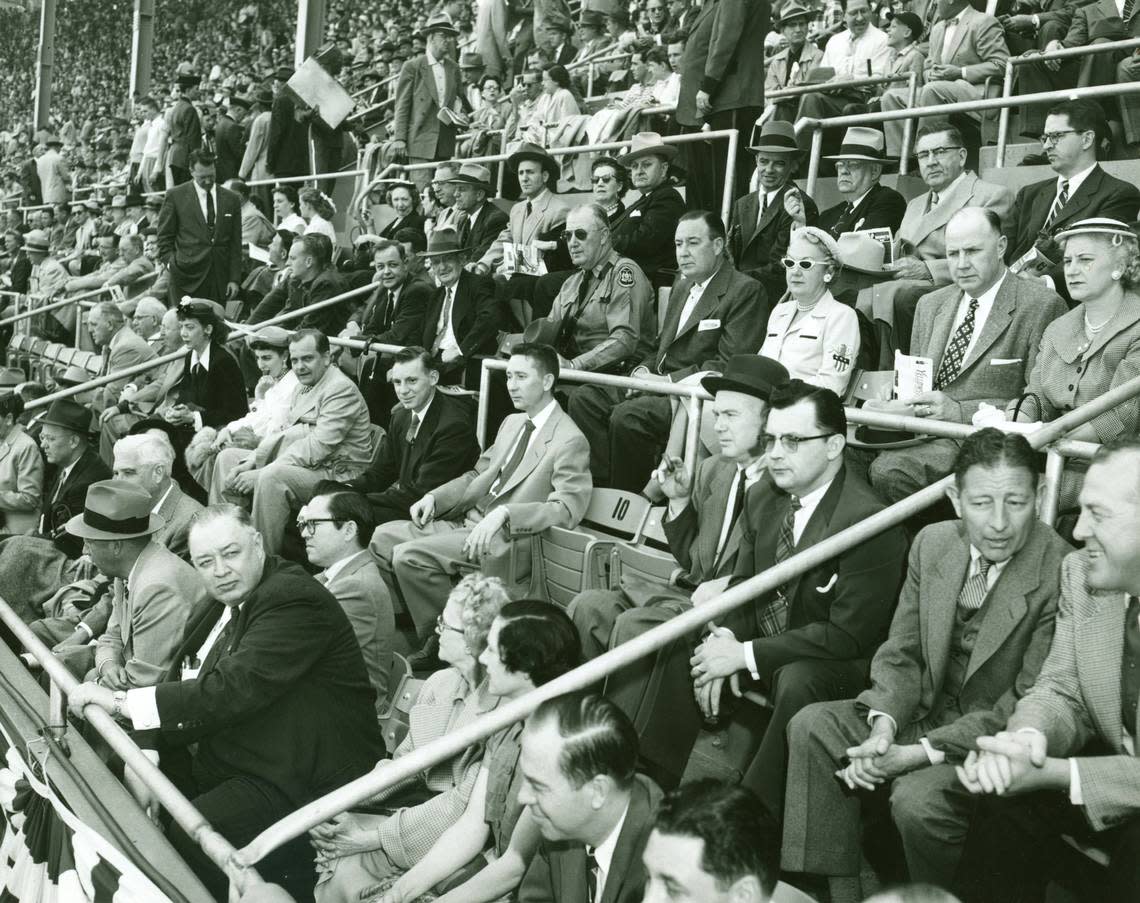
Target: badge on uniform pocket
{"x": 635, "y": 213}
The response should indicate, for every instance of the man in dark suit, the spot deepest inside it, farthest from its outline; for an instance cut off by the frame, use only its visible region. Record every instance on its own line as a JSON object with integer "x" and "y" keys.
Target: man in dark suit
{"x": 722, "y": 85}
{"x": 1081, "y": 189}
{"x": 812, "y": 640}
{"x": 761, "y": 222}
{"x": 594, "y": 812}
{"x": 229, "y": 141}
{"x": 972, "y": 630}
{"x": 462, "y": 315}
{"x": 644, "y": 230}
{"x": 1035, "y": 25}
{"x": 270, "y": 685}
{"x": 287, "y": 153}
{"x": 312, "y": 278}
{"x": 185, "y": 130}
{"x": 480, "y": 221}
{"x": 431, "y": 440}
{"x": 714, "y": 313}
{"x": 866, "y": 204}
{"x": 199, "y": 236}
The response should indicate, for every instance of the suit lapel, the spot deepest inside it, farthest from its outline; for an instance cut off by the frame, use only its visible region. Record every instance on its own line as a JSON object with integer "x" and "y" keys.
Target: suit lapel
{"x": 1006, "y": 605}
{"x": 709, "y": 301}
{"x": 936, "y": 620}
{"x": 948, "y": 204}
{"x": 769, "y": 214}
{"x": 533, "y": 454}
{"x": 673, "y": 315}
{"x": 431, "y": 420}
{"x": 429, "y": 79}
{"x": 1100, "y": 673}
{"x": 964, "y": 21}
{"x": 817, "y": 525}
{"x": 940, "y": 331}
{"x": 718, "y": 498}
{"x": 1079, "y": 200}
{"x": 1000, "y": 316}
{"x": 622, "y": 864}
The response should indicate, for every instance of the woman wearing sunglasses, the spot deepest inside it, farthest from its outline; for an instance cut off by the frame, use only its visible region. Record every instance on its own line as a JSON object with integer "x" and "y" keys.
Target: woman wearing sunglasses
{"x": 609, "y": 181}
{"x": 814, "y": 336}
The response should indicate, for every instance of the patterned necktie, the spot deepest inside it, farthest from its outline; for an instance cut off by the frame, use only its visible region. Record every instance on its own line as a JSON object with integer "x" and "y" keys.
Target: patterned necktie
{"x": 516, "y": 457}
{"x": 413, "y": 425}
{"x": 933, "y": 201}
{"x": 444, "y": 320}
{"x": 1058, "y": 204}
{"x": 773, "y": 618}
{"x": 1129, "y": 9}
{"x": 591, "y": 877}
{"x": 1130, "y": 667}
{"x": 956, "y": 351}
{"x": 975, "y": 589}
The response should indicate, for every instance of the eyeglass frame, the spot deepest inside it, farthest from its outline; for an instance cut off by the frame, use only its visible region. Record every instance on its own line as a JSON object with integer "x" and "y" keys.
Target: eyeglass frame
{"x": 789, "y": 441}
{"x": 566, "y": 234}
{"x": 1054, "y": 138}
{"x": 308, "y": 526}
{"x": 790, "y": 263}
{"x": 441, "y": 625}
{"x": 923, "y": 156}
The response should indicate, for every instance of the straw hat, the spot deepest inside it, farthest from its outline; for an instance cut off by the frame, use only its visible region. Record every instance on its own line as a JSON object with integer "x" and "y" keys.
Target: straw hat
{"x": 115, "y": 509}
{"x": 1098, "y": 225}
{"x": 646, "y": 143}
{"x": 863, "y": 254}
{"x": 863, "y": 144}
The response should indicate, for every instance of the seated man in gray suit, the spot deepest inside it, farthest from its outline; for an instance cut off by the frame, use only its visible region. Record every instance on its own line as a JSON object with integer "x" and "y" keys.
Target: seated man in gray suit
{"x": 982, "y": 334}
{"x": 535, "y": 475}
{"x": 973, "y": 626}
{"x": 920, "y": 244}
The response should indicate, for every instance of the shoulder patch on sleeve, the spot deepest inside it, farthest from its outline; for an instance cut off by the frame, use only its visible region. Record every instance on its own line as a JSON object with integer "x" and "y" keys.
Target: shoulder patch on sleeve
{"x": 625, "y": 275}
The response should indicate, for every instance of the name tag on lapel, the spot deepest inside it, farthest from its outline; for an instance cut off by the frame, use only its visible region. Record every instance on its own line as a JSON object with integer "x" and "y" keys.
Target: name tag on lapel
{"x": 708, "y": 324}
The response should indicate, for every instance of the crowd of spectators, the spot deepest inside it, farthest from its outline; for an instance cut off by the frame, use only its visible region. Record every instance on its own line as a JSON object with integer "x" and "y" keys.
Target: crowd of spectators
{"x": 230, "y": 548}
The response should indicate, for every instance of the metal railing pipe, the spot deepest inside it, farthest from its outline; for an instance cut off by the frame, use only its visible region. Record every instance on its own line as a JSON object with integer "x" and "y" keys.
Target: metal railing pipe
{"x": 220, "y": 850}
{"x": 596, "y": 60}
{"x": 54, "y": 305}
{"x": 336, "y": 341}
{"x": 1054, "y": 471}
{"x": 318, "y": 177}
{"x": 387, "y": 102}
{"x": 845, "y": 84}
{"x": 1003, "y": 116}
{"x": 100, "y": 381}
{"x": 908, "y": 126}
{"x": 309, "y": 308}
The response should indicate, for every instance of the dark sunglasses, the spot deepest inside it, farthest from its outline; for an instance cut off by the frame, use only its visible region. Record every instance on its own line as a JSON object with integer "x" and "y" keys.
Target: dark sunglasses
{"x": 580, "y": 234}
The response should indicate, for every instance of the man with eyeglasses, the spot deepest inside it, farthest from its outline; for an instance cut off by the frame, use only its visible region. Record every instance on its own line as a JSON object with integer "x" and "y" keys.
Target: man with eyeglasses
{"x": 920, "y": 246}
{"x": 808, "y": 640}
{"x": 866, "y": 204}
{"x": 1073, "y": 134}
{"x": 477, "y": 220}
{"x": 443, "y": 188}
{"x": 336, "y": 528}
{"x": 966, "y": 48}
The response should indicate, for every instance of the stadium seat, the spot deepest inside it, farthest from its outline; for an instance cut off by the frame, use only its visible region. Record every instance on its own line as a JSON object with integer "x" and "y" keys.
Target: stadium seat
{"x": 402, "y": 692}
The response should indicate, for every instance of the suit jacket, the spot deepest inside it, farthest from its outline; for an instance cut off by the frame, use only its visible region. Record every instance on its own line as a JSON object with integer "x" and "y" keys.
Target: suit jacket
{"x": 229, "y": 148}
{"x": 125, "y": 349}
{"x": 489, "y": 223}
{"x": 444, "y": 448}
{"x": 414, "y": 220}
{"x": 254, "y": 162}
{"x": 61, "y": 503}
{"x": 645, "y": 232}
{"x": 1087, "y": 16}
{"x": 404, "y": 325}
{"x": 998, "y": 366}
{"x": 134, "y": 277}
{"x": 1098, "y": 195}
{"x": 327, "y": 430}
{"x": 912, "y": 59}
{"x": 557, "y": 873}
{"x": 195, "y": 259}
{"x": 1076, "y": 699}
{"x": 881, "y": 207}
{"x": 185, "y": 134}
{"x": 718, "y": 58}
{"x": 176, "y": 510}
{"x": 217, "y": 401}
{"x": 908, "y": 671}
{"x": 283, "y": 694}
{"x": 21, "y": 482}
{"x": 922, "y": 233}
{"x": 550, "y": 487}
{"x": 418, "y": 104}
{"x": 146, "y": 628}
{"x": 293, "y": 294}
{"x": 758, "y": 246}
{"x": 362, "y": 594}
{"x": 546, "y": 219}
{"x": 784, "y": 72}
{"x": 288, "y": 150}
{"x": 977, "y": 45}
{"x": 55, "y": 180}
{"x": 728, "y": 319}
{"x": 474, "y": 314}
{"x": 693, "y": 534}
{"x": 839, "y": 610}
{"x": 20, "y": 272}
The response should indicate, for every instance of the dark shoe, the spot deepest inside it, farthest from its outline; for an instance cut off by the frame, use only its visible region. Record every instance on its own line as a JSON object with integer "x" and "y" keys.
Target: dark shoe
{"x": 426, "y": 659}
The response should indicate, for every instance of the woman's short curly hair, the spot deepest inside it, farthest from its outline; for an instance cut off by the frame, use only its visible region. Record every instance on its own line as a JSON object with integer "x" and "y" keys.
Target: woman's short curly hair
{"x": 482, "y": 598}
{"x": 1124, "y": 253}
{"x": 538, "y": 639}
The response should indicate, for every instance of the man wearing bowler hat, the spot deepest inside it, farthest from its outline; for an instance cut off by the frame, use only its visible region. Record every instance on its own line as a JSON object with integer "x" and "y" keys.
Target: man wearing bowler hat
{"x": 762, "y": 220}
{"x": 160, "y": 590}
{"x": 477, "y": 220}
{"x": 427, "y": 96}
{"x": 866, "y": 204}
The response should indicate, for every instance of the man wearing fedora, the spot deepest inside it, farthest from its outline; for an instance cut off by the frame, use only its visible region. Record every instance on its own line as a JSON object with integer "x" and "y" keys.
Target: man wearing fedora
{"x": 160, "y": 590}
{"x": 982, "y": 333}
{"x": 644, "y": 231}
{"x": 722, "y": 86}
{"x": 789, "y": 68}
{"x": 478, "y": 222}
{"x": 470, "y": 71}
{"x": 288, "y": 151}
{"x": 762, "y": 220}
{"x": 713, "y": 313}
{"x": 700, "y": 523}
{"x": 462, "y": 314}
{"x": 55, "y": 177}
{"x": 229, "y": 138}
{"x": 185, "y": 130}
{"x": 866, "y": 204}
{"x": 427, "y": 95}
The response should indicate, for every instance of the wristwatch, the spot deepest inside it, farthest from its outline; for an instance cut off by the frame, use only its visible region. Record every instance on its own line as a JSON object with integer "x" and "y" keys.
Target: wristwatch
{"x": 120, "y": 697}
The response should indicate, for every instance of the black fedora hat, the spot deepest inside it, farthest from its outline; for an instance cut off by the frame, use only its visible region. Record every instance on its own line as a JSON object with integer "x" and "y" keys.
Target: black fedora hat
{"x": 752, "y": 374}
{"x": 68, "y": 415}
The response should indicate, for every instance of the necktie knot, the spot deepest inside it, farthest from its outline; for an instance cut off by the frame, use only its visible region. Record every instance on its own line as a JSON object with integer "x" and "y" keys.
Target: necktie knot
{"x": 413, "y": 425}
{"x": 794, "y": 503}
{"x": 934, "y": 199}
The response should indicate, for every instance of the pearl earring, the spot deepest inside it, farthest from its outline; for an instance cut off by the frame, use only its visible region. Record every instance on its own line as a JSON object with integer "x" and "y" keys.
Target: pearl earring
{"x": 1116, "y": 274}
{"x": 827, "y": 278}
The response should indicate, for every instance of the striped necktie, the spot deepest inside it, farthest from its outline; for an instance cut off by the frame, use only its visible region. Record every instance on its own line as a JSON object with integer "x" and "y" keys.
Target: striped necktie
{"x": 1059, "y": 203}
{"x": 976, "y": 588}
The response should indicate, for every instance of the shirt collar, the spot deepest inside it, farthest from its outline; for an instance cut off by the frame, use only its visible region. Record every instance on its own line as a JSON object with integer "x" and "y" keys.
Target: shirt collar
{"x": 986, "y": 298}
{"x": 432, "y": 61}
{"x": 606, "y": 262}
{"x": 165, "y": 496}
{"x": 539, "y": 419}
{"x": 1076, "y": 180}
{"x": 134, "y": 567}
{"x": 859, "y": 200}
{"x": 995, "y": 566}
{"x": 203, "y": 358}
{"x": 700, "y": 287}
{"x": 422, "y": 414}
{"x": 336, "y": 567}
{"x": 945, "y": 191}
{"x": 809, "y": 502}
{"x": 604, "y": 852}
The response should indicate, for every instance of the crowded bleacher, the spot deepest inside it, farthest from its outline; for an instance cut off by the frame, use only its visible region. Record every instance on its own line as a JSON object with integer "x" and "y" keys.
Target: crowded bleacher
{"x": 345, "y": 404}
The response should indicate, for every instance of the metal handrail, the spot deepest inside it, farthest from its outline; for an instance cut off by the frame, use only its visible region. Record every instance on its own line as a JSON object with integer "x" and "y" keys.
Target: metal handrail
{"x": 355, "y": 344}
{"x": 732, "y": 135}
{"x": 100, "y": 381}
{"x": 375, "y": 85}
{"x": 595, "y": 60}
{"x": 63, "y": 302}
{"x": 393, "y": 771}
{"x": 308, "y": 308}
{"x": 318, "y": 177}
{"x": 838, "y": 84}
{"x": 1032, "y": 56}
{"x": 943, "y": 110}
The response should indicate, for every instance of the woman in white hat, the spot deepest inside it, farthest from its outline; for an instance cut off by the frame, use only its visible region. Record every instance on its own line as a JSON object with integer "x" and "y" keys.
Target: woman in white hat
{"x": 809, "y": 332}
{"x": 1096, "y": 345}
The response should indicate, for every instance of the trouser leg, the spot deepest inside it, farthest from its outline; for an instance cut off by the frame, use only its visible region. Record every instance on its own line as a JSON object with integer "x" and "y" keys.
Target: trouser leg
{"x": 932, "y": 811}
{"x": 590, "y": 408}
{"x": 281, "y": 489}
{"x": 639, "y": 429}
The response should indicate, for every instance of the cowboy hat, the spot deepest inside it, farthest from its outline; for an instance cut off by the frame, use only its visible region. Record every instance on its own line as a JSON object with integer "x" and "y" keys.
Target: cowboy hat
{"x": 752, "y": 374}
{"x": 644, "y": 144}
{"x": 774, "y": 138}
{"x": 526, "y": 150}
{"x": 473, "y": 174}
{"x": 68, "y": 415}
{"x": 115, "y": 509}
{"x": 863, "y": 254}
{"x": 863, "y": 144}
{"x": 441, "y": 242}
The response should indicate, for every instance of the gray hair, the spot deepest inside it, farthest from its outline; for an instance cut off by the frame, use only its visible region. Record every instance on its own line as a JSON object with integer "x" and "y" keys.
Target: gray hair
{"x": 149, "y": 306}
{"x": 110, "y": 312}
{"x": 597, "y": 211}
{"x": 149, "y": 448}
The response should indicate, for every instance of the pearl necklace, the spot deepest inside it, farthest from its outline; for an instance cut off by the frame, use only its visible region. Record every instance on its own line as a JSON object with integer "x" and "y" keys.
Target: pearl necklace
{"x": 804, "y": 310}
{"x": 1093, "y": 330}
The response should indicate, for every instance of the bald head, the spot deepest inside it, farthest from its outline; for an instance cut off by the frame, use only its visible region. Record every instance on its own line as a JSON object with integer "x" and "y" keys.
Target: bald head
{"x": 975, "y": 248}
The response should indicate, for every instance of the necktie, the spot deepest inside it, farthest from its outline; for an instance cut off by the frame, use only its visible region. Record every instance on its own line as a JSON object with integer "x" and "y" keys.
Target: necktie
{"x": 591, "y": 877}
{"x": 1130, "y": 667}
{"x": 933, "y": 200}
{"x": 413, "y": 425}
{"x": 761, "y": 206}
{"x": 516, "y": 457}
{"x": 956, "y": 352}
{"x": 975, "y": 589}
{"x": 529, "y": 209}
{"x": 464, "y": 230}
{"x": 382, "y": 321}
{"x": 444, "y": 320}
{"x": 1058, "y": 204}
{"x": 1129, "y": 8}
{"x": 736, "y": 506}
{"x": 210, "y": 215}
{"x": 774, "y": 616}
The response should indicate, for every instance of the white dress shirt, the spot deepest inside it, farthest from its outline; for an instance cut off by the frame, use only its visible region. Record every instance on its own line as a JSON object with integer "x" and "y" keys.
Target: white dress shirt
{"x": 695, "y": 294}
{"x": 440, "y": 76}
{"x": 985, "y": 305}
{"x": 447, "y": 313}
{"x": 213, "y": 193}
{"x": 849, "y": 55}
{"x": 750, "y": 475}
{"x": 604, "y": 854}
{"x": 1074, "y": 182}
{"x": 418, "y": 416}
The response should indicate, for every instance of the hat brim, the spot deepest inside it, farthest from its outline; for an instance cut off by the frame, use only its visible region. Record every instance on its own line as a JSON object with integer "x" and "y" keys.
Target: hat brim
{"x": 443, "y": 253}
{"x": 448, "y": 30}
{"x": 78, "y": 527}
{"x": 478, "y": 183}
{"x": 774, "y": 149}
{"x": 882, "y": 272}
{"x": 70, "y": 427}
{"x": 864, "y": 158}
{"x": 548, "y": 163}
{"x": 862, "y": 436}
{"x": 665, "y": 150}
{"x": 714, "y": 384}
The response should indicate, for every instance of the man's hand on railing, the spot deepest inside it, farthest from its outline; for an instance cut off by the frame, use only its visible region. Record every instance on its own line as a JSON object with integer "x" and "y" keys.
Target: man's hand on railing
{"x": 1055, "y": 65}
